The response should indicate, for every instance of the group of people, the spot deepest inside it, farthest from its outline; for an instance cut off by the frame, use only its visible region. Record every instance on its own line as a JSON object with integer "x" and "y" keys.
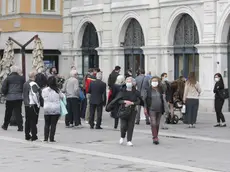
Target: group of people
{"x": 126, "y": 98}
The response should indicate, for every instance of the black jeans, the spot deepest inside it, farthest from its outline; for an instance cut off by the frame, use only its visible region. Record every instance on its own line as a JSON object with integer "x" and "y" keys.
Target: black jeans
{"x": 218, "y": 108}
{"x": 15, "y": 106}
{"x": 74, "y": 115}
{"x": 92, "y": 115}
{"x": 32, "y": 113}
{"x": 192, "y": 106}
{"x": 50, "y": 126}
{"x": 127, "y": 125}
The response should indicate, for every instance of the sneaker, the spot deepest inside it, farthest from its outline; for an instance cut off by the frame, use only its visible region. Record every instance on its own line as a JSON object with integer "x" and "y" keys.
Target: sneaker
{"x": 217, "y": 125}
{"x": 190, "y": 126}
{"x": 4, "y": 128}
{"x": 121, "y": 141}
{"x": 223, "y": 125}
{"x": 193, "y": 126}
{"x": 20, "y": 129}
{"x": 156, "y": 141}
{"x": 137, "y": 123}
{"x": 87, "y": 122}
{"x": 129, "y": 144}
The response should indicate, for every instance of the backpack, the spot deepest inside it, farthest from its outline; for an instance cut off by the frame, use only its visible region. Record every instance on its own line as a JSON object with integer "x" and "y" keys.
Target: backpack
{"x": 36, "y": 97}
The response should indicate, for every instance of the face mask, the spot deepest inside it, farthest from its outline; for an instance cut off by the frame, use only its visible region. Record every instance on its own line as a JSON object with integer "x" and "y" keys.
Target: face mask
{"x": 165, "y": 79}
{"x": 154, "y": 84}
{"x": 129, "y": 85}
{"x": 217, "y": 79}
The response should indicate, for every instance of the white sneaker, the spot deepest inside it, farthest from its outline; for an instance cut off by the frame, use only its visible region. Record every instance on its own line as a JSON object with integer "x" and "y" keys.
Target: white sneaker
{"x": 121, "y": 141}
{"x": 86, "y": 122}
{"x": 129, "y": 144}
{"x": 95, "y": 122}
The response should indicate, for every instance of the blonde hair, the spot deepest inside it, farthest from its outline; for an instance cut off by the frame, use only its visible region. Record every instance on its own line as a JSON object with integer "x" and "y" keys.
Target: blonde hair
{"x": 120, "y": 80}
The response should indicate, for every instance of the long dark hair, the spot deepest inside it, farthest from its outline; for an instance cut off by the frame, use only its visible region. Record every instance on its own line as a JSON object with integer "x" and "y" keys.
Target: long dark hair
{"x": 52, "y": 83}
{"x": 192, "y": 78}
{"x": 221, "y": 81}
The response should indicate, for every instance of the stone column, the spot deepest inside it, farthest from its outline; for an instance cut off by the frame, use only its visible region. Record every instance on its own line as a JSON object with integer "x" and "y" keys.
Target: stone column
{"x": 167, "y": 61}
{"x": 105, "y": 61}
{"x": 118, "y": 59}
{"x": 207, "y": 68}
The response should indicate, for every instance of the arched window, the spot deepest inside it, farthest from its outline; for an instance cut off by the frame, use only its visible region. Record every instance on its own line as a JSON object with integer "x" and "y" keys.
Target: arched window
{"x": 185, "y": 53}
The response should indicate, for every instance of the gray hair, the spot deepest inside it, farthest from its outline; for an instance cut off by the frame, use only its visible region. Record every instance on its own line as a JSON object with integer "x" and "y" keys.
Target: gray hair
{"x": 14, "y": 69}
{"x": 132, "y": 79}
{"x": 99, "y": 75}
{"x": 120, "y": 80}
{"x": 73, "y": 73}
{"x": 32, "y": 75}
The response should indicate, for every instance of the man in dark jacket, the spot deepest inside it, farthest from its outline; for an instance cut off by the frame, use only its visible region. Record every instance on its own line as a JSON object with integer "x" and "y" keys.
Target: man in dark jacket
{"x": 97, "y": 89}
{"x": 12, "y": 88}
{"x": 32, "y": 101}
{"x": 113, "y": 76}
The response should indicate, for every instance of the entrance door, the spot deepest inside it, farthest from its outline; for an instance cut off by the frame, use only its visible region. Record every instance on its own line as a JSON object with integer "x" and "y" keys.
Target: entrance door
{"x": 186, "y": 63}
{"x": 90, "y": 61}
{"x": 134, "y": 62}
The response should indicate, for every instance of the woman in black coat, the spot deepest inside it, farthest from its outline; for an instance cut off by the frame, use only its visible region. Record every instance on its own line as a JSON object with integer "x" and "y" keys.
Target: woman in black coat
{"x": 219, "y": 102}
{"x": 115, "y": 89}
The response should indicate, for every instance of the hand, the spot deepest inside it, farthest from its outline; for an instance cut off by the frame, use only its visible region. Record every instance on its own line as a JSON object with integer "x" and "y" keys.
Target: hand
{"x": 128, "y": 103}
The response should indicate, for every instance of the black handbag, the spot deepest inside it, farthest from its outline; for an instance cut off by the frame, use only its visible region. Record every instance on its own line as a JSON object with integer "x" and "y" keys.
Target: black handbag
{"x": 124, "y": 112}
{"x": 224, "y": 94}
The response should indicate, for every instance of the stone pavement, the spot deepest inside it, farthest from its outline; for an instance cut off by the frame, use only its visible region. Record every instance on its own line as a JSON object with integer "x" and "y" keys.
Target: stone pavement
{"x": 203, "y": 149}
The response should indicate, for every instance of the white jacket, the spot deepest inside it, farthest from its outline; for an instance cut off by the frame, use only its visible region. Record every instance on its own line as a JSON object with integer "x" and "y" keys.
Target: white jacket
{"x": 52, "y": 104}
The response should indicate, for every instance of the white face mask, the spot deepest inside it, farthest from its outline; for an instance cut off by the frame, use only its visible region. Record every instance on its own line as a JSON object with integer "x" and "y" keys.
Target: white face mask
{"x": 129, "y": 85}
{"x": 154, "y": 84}
{"x": 217, "y": 79}
{"x": 166, "y": 79}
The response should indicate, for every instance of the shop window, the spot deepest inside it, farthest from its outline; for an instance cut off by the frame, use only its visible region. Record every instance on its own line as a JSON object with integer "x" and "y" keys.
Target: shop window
{"x": 49, "y": 5}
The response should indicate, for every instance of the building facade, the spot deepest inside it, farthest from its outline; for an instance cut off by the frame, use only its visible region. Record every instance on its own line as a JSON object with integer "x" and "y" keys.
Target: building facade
{"x": 170, "y": 36}
{"x": 23, "y": 19}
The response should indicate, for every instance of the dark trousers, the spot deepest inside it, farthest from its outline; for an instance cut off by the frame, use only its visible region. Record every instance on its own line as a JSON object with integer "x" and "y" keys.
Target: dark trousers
{"x": 50, "y": 126}
{"x": 93, "y": 108}
{"x": 83, "y": 108}
{"x": 155, "y": 118}
{"x": 127, "y": 125}
{"x": 218, "y": 108}
{"x": 73, "y": 116}
{"x": 32, "y": 113}
{"x": 192, "y": 106}
{"x": 15, "y": 106}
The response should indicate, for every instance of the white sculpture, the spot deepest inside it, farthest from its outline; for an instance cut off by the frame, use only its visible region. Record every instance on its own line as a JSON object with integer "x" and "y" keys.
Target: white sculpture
{"x": 38, "y": 63}
{"x": 7, "y": 60}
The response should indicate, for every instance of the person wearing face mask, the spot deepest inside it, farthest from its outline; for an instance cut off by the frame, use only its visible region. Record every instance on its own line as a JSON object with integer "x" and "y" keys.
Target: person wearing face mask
{"x": 154, "y": 106}
{"x": 128, "y": 97}
{"x": 219, "y": 102}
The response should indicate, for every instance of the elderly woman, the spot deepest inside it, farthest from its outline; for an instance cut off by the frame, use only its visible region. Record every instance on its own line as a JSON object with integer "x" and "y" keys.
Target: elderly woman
{"x": 154, "y": 106}
{"x": 115, "y": 89}
{"x": 128, "y": 98}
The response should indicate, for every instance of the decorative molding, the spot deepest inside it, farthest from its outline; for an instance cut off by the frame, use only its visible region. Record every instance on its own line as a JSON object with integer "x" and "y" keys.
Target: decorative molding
{"x": 25, "y": 15}
{"x": 173, "y": 21}
{"x": 87, "y": 9}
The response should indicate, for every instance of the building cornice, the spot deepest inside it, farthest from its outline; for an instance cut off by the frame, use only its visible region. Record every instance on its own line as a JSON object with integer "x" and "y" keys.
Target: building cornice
{"x": 91, "y": 9}
{"x": 23, "y": 15}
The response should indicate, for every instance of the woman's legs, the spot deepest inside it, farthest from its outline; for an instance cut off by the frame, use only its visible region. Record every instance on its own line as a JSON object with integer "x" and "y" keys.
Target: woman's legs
{"x": 124, "y": 127}
{"x": 131, "y": 124}
{"x": 155, "y": 123}
{"x": 54, "y": 120}
{"x": 218, "y": 108}
{"x": 47, "y": 127}
{"x": 116, "y": 121}
{"x": 195, "y": 110}
{"x": 189, "y": 111}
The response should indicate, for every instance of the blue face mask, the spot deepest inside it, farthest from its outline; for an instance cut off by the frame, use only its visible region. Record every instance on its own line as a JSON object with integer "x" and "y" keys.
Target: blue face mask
{"x": 129, "y": 85}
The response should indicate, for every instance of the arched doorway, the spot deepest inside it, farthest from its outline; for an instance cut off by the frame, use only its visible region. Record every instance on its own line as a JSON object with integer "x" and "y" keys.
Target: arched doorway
{"x": 134, "y": 40}
{"x": 186, "y": 57}
{"x": 90, "y": 58}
